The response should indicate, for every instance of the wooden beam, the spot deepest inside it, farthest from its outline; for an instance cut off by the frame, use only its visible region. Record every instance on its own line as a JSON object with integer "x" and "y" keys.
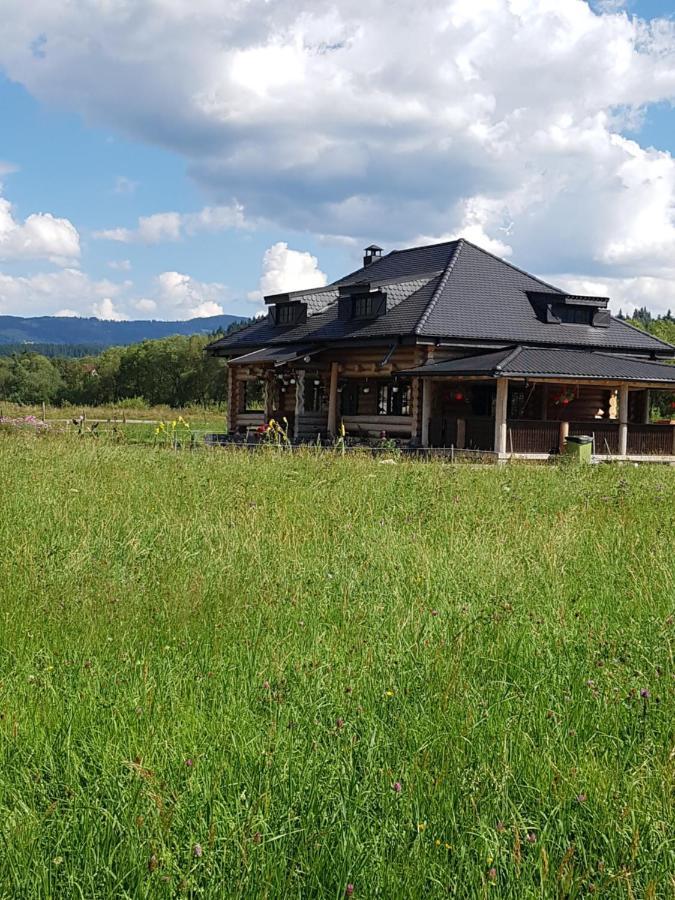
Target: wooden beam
{"x": 299, "y": 400}
{"x": 232, "y": 399}
{"x": 623, "y": 420}
{"x": 501, "y": 406}
{"x": 426, "y": 411}
{"x": 461, "y": 433}
{"x": 332, "y": 399}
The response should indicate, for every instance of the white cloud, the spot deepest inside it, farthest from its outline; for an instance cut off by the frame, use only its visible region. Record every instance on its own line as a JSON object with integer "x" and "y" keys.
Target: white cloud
{"x": 508, "y": 126}
{"x": 627, "y": 294}
{"x": 120, "y": 265}
{"x": 188, "y": 298}
{"x": 145, "y": 305}
{"x": 60, "y": 292}
{"x": 40, "y": 236}
{"x": 285, "y": 270}
{"x": 107, "y": 310}
{"x": 172, "y": 226}
{"x": 67, "y": 313}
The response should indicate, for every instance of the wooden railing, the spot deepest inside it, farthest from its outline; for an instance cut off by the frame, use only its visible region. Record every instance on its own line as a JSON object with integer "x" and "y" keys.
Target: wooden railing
{"x": 605, "y": 435}
{"x": 651, "y": 440}
{"x": 532, "y": 437}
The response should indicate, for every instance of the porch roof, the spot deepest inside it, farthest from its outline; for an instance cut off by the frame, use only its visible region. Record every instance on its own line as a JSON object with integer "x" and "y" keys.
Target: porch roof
{"x": 531, "y": 362}
{"x": 277, "y": 355}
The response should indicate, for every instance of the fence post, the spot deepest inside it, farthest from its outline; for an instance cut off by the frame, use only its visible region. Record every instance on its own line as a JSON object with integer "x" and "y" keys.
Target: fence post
{"x": 461, "y": 433}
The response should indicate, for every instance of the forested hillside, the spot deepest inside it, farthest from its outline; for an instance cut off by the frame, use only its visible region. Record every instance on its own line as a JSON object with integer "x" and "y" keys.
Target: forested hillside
{"x": 173, "y": 370}
{"x": 101, "y": 333}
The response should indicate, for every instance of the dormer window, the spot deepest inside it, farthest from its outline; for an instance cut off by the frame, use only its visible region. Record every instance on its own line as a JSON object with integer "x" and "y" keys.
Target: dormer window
{"x": 361, "y": 302}
{"x": 573, "y": 315}
{"x": 570, "y": 309}
{"x": 288, "y": 313}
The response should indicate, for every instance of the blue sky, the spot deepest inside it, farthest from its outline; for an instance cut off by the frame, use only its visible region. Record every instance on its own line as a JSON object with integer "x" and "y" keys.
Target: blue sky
{"x": 176, "y": 162}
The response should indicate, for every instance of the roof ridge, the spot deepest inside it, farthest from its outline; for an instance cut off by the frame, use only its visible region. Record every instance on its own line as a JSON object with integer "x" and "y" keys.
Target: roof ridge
{"x": 515, "y": 351}
{"x": 440, "y": 287}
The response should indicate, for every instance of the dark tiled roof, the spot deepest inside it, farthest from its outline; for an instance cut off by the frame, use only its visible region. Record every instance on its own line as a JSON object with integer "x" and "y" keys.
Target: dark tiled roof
{"x": 525, "y": 362}
{"x": 407, "y": 263}
{"x": 406, "y": 301}
{"x": 485, "y": 299}
{"x": 445, "y": 292}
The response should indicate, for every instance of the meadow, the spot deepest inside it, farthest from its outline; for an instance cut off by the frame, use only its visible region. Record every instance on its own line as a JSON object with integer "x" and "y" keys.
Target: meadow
{"x": 276, "y": 676}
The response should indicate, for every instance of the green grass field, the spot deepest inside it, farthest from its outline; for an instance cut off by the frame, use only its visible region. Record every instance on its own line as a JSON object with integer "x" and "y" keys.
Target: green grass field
{"x": 275, "y": 676}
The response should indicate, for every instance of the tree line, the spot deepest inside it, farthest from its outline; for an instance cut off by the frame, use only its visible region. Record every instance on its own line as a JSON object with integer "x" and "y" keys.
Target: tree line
{"x": 171, "y": 371}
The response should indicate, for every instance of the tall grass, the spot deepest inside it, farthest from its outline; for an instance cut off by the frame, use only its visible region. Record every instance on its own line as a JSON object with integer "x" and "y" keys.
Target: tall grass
{"x": 225, "y": 675}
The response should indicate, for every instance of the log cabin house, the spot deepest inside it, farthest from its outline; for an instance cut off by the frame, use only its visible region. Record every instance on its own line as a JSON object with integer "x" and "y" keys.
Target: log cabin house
{"x": 449, "y": 346}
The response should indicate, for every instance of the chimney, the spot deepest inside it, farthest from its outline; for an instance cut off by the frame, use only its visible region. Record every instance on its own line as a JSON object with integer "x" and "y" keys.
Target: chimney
{"x": 371, "y": 254}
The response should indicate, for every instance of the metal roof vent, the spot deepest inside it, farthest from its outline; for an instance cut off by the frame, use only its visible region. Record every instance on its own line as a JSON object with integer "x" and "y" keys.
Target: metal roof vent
{"x": 371, "y": 254}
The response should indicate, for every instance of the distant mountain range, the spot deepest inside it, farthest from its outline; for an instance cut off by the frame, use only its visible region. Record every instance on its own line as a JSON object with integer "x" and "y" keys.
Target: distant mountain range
{"x": 100, "y": 333}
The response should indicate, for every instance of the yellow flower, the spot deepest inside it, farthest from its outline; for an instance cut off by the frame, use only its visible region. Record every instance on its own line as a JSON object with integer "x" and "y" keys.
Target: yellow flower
{"x": 421, "y": 826}
{"x": 388, "y": 693}
{"x": 173, "y": 424}
{"x": 448, "y": 847}
{"x": 437, "y": 842}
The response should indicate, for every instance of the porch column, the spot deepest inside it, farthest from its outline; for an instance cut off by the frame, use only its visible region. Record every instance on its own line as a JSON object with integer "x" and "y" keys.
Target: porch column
{"x": 299, "y": 401}
{"x": 426, "y": 410}
{"x": 623, "y": 420}
{"x": 268, "y": 395}
{"x": 232, "y": 399}
{"x": 647, "y": 408}
{"x": 501, "y": 406}
{"x": 332, "y": 399}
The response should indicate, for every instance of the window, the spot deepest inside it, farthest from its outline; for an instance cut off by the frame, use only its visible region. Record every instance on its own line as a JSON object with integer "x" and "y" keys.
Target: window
{"x": 363, "y": 307}
{"x": 393, "y": 399}
{"x": 349, "y": 399}
{"x": 289, "y": 313}
{"x": 252, "y": 395}
{"x": 314, "y": 395}
{"x": 574, "y": 315}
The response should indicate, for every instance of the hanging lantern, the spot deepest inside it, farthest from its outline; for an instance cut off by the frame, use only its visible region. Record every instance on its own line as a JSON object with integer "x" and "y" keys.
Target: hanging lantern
{"x": 394, "y": 389}
{"x": 292, "y": 380}
{"x": 317, "y": 382}
{"x": 366, "y": 390}
{"x": 459, "y": 397}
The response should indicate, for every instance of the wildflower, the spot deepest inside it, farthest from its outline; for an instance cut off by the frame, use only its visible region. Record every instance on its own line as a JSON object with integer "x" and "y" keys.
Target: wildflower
{"x": 389, "y": 693}
{"x": 492, "y": 874}
{"x": 340, "y": 723}
{"x": 197, "y": 850}
{"x": 447, "y": 846}
{"x": 581, "y": 798}
{"x": 500, "y": 826}
{"x": 531, "y": 837}
{"x": 437, "y": 842}
{"x": 421, "y": 826}
{"x": 266, "y": 685}
{"x": 645, "y": 694}
{"x": 349, "y": 890}
{"x": 153, "y": 863}
{"x": 434, "y": 612}
{"x": 189, "y": 763}
{"x": 397, "y": 787}
{"x": 57, "y": 860}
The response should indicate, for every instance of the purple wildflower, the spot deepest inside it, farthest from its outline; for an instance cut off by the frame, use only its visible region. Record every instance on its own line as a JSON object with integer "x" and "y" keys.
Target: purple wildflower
{"x": 581, "y": 798}
{"x": 397, "y": 787}
{"x": 189, "y": 763}
{"x": 197, "y": 850}
{"x": 349, "y": 890}
{"x": 645, "y": 694}
{"x": 531, "y": 837}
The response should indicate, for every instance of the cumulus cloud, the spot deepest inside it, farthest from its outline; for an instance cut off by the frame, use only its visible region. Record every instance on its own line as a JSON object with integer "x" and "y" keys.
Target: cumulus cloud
{"x": 69, "y": 291}
{"x": 509, "y": 124}
{"x": 284, "y": 269}
{"x": 189, "y": 298}
{"x": 172, "y": 226}
{"x": 107, "y": 310}
{"x": 120, "y": 265}
{"x": 40, "y": 236}
{"x": 61, "y": 292}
